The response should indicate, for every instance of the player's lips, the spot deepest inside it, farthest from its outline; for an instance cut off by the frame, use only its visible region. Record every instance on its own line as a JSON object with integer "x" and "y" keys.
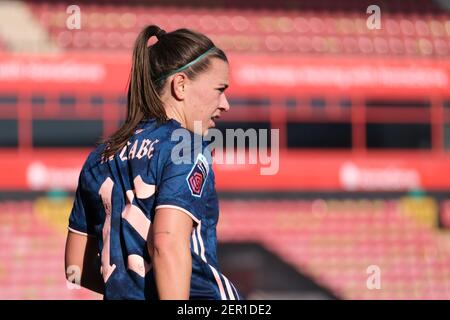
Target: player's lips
{"x": 213, "y": 118}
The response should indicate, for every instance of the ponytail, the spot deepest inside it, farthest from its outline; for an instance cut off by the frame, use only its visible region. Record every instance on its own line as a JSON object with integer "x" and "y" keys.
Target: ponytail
{"x": 143, "y": 100}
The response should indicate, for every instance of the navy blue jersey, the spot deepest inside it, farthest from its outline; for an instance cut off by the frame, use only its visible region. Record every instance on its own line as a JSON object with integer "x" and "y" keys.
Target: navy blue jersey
{"x": 117, "y": 198}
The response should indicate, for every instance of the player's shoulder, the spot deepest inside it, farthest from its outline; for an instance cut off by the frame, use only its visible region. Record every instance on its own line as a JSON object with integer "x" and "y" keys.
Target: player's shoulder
{"x": 176, "y": 141}
{"x": 152, "y": 130}
{"x": 167, "y": 141}
{"x": 94, "y": 157}
{"x": 147, "y": 132}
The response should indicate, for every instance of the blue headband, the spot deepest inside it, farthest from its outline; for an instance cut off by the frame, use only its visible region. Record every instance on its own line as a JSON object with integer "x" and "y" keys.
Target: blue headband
{"x": 186, "y": 65}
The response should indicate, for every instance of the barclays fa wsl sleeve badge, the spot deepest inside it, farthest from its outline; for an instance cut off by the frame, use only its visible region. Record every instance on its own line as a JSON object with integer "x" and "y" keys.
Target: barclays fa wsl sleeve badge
{"x": 198, "y": 175}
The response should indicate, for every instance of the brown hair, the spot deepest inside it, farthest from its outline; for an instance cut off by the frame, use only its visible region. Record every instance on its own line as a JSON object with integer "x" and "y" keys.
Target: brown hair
{"x": 150, "y": 64}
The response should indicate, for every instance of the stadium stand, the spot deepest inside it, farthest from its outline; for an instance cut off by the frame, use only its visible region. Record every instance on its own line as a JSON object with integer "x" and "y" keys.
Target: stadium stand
{"x": 21, "y": 31}
{"x": 31, "y": 256}
{"x": 337, "y": 242}
{"x": 411, "y": 32}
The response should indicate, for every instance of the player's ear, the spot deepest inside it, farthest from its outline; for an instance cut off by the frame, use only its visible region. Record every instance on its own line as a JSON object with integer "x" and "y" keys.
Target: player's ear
{"x": 179, "y": 86}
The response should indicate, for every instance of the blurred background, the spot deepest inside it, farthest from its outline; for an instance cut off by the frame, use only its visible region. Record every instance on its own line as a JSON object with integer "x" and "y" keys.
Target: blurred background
{"x": 360, "y": 206}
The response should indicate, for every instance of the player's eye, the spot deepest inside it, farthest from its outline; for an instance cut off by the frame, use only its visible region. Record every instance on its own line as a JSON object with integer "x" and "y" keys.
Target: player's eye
{"x": 221, "y": 90}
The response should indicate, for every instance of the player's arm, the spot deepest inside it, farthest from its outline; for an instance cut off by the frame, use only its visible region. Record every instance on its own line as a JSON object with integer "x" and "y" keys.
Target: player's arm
{"x": 171, "y": 254}
{"x": 82, "y": 256}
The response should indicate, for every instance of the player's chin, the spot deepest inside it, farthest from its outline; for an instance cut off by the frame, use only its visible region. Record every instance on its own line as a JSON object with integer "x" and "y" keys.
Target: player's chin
{"x": 211, "y": 123}
{"x": 208, "y": 125}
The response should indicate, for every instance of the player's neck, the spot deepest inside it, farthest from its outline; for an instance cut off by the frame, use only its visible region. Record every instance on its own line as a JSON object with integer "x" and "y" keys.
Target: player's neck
{"x": 173, "y": 111}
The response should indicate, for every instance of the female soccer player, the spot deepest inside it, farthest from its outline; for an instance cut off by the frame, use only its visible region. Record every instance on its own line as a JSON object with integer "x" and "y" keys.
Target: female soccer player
{"x": 143, "y": 224}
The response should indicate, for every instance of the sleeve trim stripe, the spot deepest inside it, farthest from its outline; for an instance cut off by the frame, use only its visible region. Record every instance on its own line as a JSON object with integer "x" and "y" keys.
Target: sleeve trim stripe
{"x": 227, "y": 285}
{"x": 194, "y": 241}
{"x": 219, "y": 283}
{"x": 178, "y": 208}
{"x": 200, "y": 240}
{"x": 78, "y": 232}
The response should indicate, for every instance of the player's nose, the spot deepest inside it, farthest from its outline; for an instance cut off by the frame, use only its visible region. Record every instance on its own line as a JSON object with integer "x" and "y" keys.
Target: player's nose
{"x": 224, "y": 105}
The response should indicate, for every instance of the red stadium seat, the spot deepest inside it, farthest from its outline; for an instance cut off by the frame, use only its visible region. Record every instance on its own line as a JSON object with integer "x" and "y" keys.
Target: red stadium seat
{"x": 269, "y": 30}
{"x": 337, "y": 247}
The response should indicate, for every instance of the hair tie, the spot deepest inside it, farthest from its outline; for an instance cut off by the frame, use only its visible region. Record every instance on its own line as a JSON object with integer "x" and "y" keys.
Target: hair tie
{"x": 160, "y": 33}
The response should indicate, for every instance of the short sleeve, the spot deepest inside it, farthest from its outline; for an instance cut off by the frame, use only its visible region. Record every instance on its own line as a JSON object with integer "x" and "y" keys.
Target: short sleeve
{"x": 77, "y": 219}
{"x": 183, "y": 187}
